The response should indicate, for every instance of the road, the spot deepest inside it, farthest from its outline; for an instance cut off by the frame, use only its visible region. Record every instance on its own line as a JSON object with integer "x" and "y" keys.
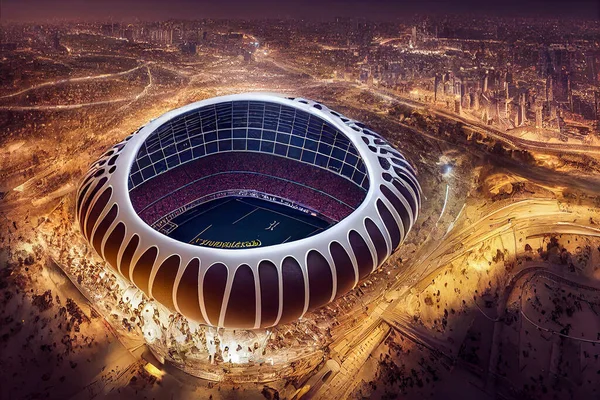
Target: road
{"x": 342, "y": 385}
{"x": 143, "y": 93}
{"x": 561, "y": 280}
{"x": 61, "y": 107}
{"x": 502, "y": 219}
{"x": 74, "y": 80}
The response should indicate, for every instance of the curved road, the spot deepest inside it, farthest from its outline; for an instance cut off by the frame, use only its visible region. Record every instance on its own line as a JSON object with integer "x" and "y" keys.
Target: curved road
{"x": 60, "y": 107}
{"x": 553, "y": 277}
{"x": 72, "y": 80}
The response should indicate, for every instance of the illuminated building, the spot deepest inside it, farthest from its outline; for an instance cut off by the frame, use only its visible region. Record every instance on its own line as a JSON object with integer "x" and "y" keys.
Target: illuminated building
{"x": 241, "y": 284}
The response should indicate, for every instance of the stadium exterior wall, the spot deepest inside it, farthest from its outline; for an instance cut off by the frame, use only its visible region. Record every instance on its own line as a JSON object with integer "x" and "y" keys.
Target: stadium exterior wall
{"x": 255, "y": 287}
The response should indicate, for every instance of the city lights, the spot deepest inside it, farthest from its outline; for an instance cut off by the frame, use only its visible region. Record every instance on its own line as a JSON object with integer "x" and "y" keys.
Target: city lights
{"x": 299, "y": 200}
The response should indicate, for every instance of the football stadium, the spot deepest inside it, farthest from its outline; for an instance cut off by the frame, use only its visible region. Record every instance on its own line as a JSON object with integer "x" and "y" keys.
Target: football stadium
{"x": 248, "y": 210}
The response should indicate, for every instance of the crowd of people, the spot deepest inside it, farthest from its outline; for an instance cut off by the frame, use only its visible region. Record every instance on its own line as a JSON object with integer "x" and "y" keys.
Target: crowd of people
{"x": 173, "y": 336}
{"x": 310, "y": 186}
{"x": 290, "y": 350}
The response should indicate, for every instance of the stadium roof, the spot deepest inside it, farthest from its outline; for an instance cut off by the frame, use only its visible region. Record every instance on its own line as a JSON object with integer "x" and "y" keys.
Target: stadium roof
{"x": 253, "y": 287}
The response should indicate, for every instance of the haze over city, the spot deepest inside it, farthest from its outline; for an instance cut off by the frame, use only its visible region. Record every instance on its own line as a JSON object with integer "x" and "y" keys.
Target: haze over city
{"x": 39, "y": 10}
{"x": 285, "y": 200}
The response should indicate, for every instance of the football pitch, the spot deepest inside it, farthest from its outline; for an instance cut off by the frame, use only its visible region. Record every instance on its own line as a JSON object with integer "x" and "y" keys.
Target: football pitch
{"x": 244, "y": 222}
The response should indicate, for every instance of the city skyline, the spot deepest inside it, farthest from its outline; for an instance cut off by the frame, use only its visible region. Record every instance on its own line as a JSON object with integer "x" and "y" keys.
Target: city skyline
{"x": 38, "y": 10}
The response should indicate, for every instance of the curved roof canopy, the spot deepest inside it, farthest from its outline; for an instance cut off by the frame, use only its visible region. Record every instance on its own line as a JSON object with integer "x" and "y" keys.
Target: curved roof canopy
{"x": 253, "y": 287}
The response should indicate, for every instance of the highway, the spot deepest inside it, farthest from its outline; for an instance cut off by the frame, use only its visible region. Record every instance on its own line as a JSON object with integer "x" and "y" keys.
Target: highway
{"x": 62, "y": 107}
{"x": 74, "y": 80}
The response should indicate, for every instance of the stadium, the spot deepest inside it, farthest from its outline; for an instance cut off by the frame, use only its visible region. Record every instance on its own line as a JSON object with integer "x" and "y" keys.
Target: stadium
{"x": 248, "y": 210}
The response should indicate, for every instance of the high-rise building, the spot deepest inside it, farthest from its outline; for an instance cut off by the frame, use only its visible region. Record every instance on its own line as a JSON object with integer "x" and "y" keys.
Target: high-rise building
{"x": 502, "y": 108}
{"x": 129, "y": 35}
{"x": 475, "y": 100}
{"x": 56, "y": 41}
{"x": 549, "y": 89}
{"x": 466, "y": 101}
{"x": 521, "y": 113}
{"x": 485, "y": 82}
{"x": 457, "y": 105}
{"x": 569, "y": 93}
{"x": 591, "y": 68}
{"x": 550, "y": 105}
{"x": 538, "y": 114}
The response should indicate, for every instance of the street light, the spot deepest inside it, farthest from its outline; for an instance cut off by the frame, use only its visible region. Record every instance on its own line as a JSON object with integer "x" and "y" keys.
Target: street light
{"x": 446, "y": 170}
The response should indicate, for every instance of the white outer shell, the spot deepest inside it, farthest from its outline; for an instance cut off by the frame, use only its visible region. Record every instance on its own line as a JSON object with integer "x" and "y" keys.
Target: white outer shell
{"x": 232, "y": 259}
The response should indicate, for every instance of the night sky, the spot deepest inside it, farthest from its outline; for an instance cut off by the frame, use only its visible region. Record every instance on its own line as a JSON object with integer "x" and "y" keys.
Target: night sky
{"x": 39, "y": 10}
